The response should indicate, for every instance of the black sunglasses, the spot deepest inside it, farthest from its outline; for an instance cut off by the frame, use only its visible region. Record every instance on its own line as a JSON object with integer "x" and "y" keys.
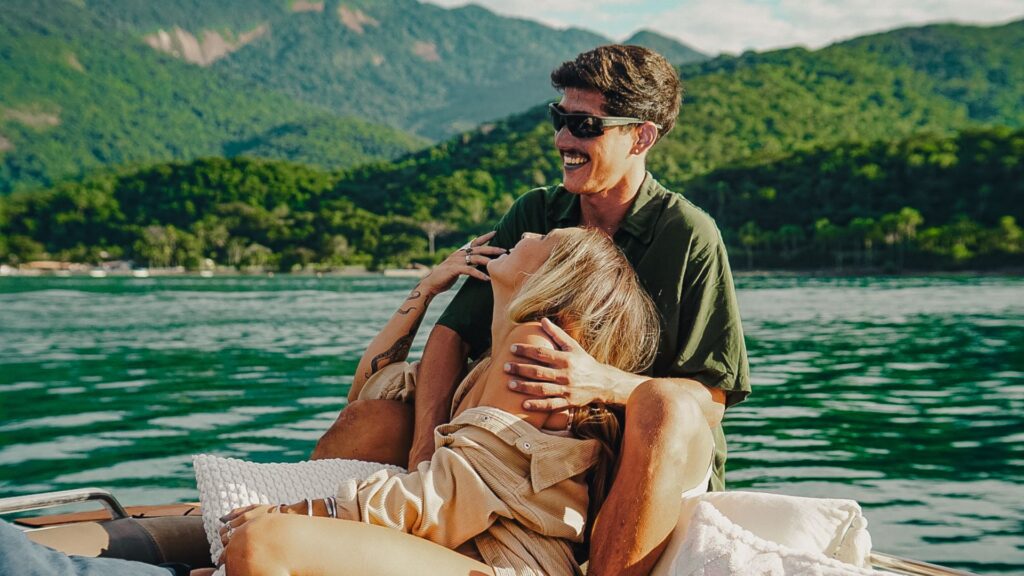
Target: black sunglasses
{"x": 587, "y": 125}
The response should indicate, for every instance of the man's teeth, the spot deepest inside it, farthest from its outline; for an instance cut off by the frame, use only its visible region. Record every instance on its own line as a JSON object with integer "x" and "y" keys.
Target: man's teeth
{"x": 574, "y": 159}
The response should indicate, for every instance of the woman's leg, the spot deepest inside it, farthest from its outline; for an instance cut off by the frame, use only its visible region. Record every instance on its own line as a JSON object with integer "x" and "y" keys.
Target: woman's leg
{"x": 282, "y": 544}
{"x": 370, "y": 430}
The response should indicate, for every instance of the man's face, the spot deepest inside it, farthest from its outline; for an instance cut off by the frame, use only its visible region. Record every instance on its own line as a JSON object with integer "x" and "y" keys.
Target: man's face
{"x": 593, "y": 165}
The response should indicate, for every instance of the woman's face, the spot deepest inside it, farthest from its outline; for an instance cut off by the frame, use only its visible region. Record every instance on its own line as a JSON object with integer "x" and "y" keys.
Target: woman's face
{"x": 525, "y": 258}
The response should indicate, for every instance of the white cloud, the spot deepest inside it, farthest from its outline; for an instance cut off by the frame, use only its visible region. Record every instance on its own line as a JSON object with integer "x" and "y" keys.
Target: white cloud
{"x": 736, "y": 25}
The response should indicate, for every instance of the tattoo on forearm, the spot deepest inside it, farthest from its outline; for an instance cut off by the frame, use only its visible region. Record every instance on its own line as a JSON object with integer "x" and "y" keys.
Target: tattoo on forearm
{"x": 400, "y": 349}
{"x": 398, "y": 352}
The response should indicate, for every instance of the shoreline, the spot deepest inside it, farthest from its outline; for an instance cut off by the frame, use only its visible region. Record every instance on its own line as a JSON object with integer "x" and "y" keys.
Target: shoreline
{"x": 359, "y": 272}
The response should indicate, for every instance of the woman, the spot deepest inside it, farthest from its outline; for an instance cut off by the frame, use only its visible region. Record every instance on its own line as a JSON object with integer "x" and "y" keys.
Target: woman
{"x": 509, "y": 490}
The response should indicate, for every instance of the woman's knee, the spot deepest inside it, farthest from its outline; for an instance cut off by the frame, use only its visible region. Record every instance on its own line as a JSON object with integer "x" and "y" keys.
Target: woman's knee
{"x": 251, "y": 551}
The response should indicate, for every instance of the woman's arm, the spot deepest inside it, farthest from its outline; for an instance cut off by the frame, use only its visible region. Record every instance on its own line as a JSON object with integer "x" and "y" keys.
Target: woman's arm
{"x": 445, "y": 501}
{"x": 393, "y": 342}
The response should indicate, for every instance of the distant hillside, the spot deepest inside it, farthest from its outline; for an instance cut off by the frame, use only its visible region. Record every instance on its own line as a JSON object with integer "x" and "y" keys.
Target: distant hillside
{"x": 926, "y": 202}
{"x": 982, "y": 68}
{"x": 414, "y": 66}
{"x": 76, "y": 95}
{"x": 676, "y": 52}
{"x": 753, "y": 109}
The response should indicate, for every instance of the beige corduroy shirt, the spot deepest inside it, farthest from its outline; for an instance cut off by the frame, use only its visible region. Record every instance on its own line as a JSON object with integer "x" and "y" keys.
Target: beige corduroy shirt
{"x": 517, "y": 493}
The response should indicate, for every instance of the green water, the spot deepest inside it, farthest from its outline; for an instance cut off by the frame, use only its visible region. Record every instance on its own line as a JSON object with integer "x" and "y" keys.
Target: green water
{"x": 906, "y": 394}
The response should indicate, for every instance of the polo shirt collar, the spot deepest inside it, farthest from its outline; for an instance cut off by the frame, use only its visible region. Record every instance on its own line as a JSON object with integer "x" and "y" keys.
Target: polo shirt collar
{"x": 639, "y": 220}
{"x": 643, "y": 214}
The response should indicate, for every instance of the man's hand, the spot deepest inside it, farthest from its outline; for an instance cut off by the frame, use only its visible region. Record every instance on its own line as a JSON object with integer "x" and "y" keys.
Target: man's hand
{"x": 565, "y": 377}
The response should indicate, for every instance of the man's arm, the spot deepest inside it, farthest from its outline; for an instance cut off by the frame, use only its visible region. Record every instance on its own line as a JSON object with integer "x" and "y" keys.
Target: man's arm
{"x": 444, "y": 359}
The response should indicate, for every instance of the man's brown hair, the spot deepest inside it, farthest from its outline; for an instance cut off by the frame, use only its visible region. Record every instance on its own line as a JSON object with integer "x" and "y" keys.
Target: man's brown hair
{"x": 635, "y": 82}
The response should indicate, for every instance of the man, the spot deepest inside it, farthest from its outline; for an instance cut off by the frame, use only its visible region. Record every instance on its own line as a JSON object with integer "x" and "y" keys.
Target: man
{"x": 617, "y": 102}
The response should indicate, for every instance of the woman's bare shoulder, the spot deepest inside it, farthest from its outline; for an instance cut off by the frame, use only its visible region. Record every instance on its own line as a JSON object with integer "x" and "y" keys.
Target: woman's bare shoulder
{"x": 531, "y": 333}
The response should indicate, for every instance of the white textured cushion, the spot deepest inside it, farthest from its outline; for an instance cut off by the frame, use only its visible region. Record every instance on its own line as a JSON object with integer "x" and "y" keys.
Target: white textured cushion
{"x": 717, "y": 546}
{"x": 761, "y": 533}
{"x": 226, "y": 483}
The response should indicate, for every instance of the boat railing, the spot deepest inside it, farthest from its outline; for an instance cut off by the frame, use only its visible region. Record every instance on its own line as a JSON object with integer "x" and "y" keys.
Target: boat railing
{"x": 62, "y": 497}
{"x": 898, "y": 565}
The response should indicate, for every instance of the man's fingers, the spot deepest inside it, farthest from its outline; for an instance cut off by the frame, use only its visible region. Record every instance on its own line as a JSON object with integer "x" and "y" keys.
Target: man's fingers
{"x": 542, "y": 354}
{"x": 564, "y": 341}
{"x": 546, "y": 404}
{"x": 544, "y": 389}
{"x": 532, "y": 372}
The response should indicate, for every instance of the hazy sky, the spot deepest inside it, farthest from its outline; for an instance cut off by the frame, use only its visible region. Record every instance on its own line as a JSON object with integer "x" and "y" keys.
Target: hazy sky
{"x": 714, "y": 26}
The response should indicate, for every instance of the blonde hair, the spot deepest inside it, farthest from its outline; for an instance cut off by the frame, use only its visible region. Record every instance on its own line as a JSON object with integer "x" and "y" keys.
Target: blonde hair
{"x": 589, "y": 289}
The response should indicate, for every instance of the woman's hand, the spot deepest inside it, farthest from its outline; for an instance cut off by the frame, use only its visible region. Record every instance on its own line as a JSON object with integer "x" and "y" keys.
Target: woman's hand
{"x": 462, "y": 261}
{"x": 238, "y": 518}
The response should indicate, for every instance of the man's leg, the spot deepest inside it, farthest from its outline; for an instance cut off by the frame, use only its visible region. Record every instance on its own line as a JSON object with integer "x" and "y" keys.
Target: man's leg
{"x": 19, "y": 555}
{"x": 369, "y": 430}
{"x": 666, "y": 449}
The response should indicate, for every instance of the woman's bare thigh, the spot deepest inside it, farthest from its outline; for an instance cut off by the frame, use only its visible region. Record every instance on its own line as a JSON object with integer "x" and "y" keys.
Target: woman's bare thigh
{"x": 287, "y": 544}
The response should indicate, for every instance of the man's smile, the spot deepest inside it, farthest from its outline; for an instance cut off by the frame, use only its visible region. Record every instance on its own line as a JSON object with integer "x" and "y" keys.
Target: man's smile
{"x": 572, "y": 159}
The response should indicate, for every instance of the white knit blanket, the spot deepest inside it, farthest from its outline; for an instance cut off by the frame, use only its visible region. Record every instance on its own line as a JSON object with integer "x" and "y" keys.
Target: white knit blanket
{"x": 718, "y": 534}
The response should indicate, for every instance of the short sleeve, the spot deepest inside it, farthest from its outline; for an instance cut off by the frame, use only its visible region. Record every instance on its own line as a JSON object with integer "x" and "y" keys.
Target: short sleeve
{"x": 712, "y": 350}
{"x": 469, "y": 313}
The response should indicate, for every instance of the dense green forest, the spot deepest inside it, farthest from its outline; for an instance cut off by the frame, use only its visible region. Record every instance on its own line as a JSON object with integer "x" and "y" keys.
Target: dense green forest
{"x": 76, "y": 95}
{"x": 897, "y": 150}
{"x": 841, "y": 206}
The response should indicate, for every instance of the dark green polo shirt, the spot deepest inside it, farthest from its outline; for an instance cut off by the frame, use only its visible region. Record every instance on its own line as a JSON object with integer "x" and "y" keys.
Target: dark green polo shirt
{"x": 680, "y": 258}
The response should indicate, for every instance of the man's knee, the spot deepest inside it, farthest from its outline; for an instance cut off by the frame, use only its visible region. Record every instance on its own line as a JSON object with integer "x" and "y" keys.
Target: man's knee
{"x": 326, "y": 445}
{"x": 668, "y": 425}
{"x": 664, "y": 405}
{"x": 377, "y": 430}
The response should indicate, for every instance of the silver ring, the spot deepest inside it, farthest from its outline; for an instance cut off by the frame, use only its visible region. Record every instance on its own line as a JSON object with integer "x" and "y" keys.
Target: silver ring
{"x": 469, "y": 249}
{"x": 230, "y": 531}
{"x": 468, "y": 260}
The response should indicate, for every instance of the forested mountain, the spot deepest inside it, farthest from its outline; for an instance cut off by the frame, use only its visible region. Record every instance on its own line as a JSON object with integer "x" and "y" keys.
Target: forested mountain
{"x": 757, "y": 108}
{"x": 898, "y": 149}
{"x": 76, "y": 95}
{"x": 414, "y": 66}
{"x": 92, "y": 83}
{"x": 674, "y": 51}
